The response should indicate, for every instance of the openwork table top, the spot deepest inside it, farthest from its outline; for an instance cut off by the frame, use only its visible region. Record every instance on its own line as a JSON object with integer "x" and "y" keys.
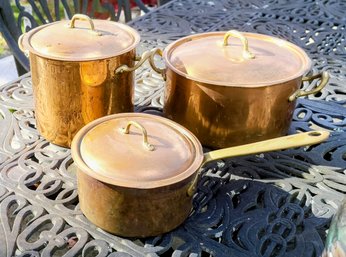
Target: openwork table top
{"x": 274, "y": 204}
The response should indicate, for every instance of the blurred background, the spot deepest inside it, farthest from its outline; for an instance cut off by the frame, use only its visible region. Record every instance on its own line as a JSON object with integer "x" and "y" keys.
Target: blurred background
{"x": 8, "y": 71}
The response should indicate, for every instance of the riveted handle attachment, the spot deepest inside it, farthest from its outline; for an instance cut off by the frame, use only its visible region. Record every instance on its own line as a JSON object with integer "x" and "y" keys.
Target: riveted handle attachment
{"x": 323, "y": 77}
{"x": 146, "y": 144}
{"x": 124, "y": 68}
{"x": 234, "y": 33}
{"x": 192, "y": 188}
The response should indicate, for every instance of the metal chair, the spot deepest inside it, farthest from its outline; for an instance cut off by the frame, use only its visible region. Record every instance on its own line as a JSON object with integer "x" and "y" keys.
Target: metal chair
{"x": 33, "y": 13}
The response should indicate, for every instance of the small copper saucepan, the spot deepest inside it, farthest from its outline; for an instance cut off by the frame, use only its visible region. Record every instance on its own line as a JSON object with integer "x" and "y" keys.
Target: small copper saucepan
{"x": 137, "y": 173}
{"x": 231, "y": 88}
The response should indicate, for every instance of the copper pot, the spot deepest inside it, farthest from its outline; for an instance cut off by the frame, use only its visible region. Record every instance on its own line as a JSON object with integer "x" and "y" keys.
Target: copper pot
{"x": 137, "y": 173}
{"x": 77, "y": 77}
{"x": 234, "y": 88}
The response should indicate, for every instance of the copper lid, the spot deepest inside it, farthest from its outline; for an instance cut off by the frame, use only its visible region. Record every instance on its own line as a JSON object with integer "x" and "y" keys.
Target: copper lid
{"x": 236, "y": 59}
{"x": 81, "y": 39}
{"x": 104, "y": 150}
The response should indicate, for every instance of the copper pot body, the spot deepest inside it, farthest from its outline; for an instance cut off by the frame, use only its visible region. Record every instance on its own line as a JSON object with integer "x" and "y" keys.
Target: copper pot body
{"x": 133, "y": 212}
{"x": 244, "y": 90}
{"x": 130, "y": 189}
{"x": 70, "y": 94}
{"x": 223, "y": 116}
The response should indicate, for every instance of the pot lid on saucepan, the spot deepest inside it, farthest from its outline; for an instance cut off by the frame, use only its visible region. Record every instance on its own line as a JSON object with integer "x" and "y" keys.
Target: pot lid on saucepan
{"x": 137, "y": 150}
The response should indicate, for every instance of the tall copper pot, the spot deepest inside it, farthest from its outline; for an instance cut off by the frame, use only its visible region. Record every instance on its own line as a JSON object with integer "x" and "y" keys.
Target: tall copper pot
{"x": 74, "y": 68}
{"x": 234, "y": 88}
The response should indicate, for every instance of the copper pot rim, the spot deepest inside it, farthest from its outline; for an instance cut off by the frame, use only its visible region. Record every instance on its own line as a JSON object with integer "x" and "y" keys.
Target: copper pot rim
{"x": 167, "y": 51}
{"x": 178, "y": 179}
{"x": 28, "y": 48}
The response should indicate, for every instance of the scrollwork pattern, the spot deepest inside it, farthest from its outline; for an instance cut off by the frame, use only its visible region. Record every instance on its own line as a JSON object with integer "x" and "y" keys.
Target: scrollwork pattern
{"x": 270, "y": 204}
{"x": 248, "y": 218}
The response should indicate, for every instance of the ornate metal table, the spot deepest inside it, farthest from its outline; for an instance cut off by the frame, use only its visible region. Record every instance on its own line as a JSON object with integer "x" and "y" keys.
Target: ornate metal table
{"x": 275, "y": 204}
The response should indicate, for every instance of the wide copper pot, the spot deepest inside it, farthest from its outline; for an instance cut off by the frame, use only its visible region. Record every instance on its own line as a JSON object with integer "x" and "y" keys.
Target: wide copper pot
{"x": 231, "y": 88}
{"x": 74, "y": 67}
{"x": 137, "y": 173}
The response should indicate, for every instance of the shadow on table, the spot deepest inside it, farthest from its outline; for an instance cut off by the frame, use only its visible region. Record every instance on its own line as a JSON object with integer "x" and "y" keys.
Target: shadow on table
{"x": 246, "y": 218}
{"x": 265, "y": 205}
{"x": 248, "y": 206}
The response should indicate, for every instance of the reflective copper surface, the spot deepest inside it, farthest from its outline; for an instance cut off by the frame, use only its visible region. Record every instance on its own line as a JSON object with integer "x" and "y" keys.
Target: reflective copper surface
{"x": 139, "y": 212}
{"x": 230, "y": 92}
{"x": 137, "y": 173}
{"x": 68, "y": 95}
{"x": 81, "y": 39}
{"x": 126, "y": 188}
{"x": 109, "y": 154}
{"x": 73, "y": 66}
{"x": 220, "y": 58}
{"x": 133, "y": 212}
{"x": 222, "y": 116}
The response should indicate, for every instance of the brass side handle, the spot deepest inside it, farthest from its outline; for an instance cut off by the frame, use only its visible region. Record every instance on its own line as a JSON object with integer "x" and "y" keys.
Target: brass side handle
{"x": 21, "y": 45}
{"x": 124, "y": 68}
{"x": 147, "y": 55}
{"x": 146, "y": 144}
{"x": 323, "y": 77}
{"x": 234, "y": 33}
{"x": 157, "y": 51}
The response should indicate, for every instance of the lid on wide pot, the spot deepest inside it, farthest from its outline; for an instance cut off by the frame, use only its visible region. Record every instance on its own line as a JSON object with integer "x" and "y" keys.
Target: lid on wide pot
{"x": 236, "y": 59}
{"x": 136, "y": 150}
{"x": 81, "y": 39}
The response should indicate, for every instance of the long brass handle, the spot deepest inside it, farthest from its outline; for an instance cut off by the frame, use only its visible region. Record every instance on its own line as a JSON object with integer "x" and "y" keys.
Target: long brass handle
{"x": 82, "y": 17}
{"x": 234, "y": 33}
{"x": 323, "y": 77}
{"x": 280, "y": 143}
{"x": 146, "y": 144}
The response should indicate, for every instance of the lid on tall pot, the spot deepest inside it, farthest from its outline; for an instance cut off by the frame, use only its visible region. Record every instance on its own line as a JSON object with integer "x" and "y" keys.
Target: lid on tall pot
{"x": 80, "y": 39}
{"x": 236, "y": 59}
{"x": 137, "y": 150}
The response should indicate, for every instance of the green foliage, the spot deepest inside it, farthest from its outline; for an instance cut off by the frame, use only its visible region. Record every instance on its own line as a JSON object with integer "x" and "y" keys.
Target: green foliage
{"x": 4, "y": 50}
